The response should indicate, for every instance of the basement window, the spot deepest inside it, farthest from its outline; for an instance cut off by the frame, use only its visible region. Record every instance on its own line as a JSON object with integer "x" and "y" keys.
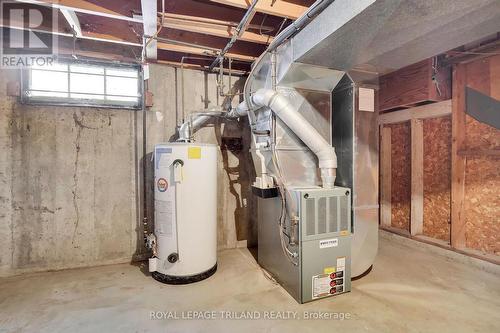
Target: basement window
{"x": 83, "y": 84}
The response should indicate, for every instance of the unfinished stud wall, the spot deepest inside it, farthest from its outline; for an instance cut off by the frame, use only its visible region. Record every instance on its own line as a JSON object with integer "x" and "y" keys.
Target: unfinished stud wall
{"x": 401, "y": 175}
{"x": 437, "y": 177}
{"x": 461, "y": 167}
{"x": 482, "y": 171}
{"x": 70, "y": 177}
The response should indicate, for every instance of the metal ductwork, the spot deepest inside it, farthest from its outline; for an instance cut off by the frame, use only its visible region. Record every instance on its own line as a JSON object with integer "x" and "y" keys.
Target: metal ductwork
{"x": 301, "y": 102}
{"x": 196, "y": 121}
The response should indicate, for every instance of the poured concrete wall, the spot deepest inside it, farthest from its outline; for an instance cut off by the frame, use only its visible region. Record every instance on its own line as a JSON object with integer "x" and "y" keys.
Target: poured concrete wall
{"x": 70, "y": 177}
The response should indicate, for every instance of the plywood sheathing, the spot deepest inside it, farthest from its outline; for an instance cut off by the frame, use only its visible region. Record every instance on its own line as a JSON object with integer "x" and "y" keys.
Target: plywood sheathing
{"x": 401, "y": 175}
{"x": 437, "y": 177}
{"x": 482, "y": 204}
{"x": 482, "y": 173}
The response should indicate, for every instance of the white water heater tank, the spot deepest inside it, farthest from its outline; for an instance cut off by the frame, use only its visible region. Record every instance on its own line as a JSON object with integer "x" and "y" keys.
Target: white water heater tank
{"x": 185, "y": 212}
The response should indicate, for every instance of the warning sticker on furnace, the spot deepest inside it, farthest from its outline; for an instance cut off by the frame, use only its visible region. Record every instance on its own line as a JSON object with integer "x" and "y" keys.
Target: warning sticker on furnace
{"x": 321, "y": 285}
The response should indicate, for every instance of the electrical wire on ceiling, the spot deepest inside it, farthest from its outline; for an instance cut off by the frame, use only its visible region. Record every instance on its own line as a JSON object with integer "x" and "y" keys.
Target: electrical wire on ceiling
{"x": 262, "y": 23}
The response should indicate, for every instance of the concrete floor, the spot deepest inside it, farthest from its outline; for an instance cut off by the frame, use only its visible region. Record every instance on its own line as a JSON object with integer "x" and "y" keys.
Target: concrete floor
{"x": 410, "y": 289}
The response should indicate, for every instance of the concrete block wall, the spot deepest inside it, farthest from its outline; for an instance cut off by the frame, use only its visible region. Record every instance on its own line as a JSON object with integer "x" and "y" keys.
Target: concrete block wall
{"x": 70, "y": 177}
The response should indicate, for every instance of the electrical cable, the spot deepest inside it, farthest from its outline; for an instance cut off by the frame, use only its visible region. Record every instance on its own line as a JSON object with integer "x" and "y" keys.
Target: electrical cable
{"x": 282, "y": 219}
{"x": 281, "y": 25}
{"x": 262, "y": 23}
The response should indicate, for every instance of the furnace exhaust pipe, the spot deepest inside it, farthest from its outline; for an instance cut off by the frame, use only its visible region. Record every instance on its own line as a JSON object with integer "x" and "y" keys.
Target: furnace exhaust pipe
{"x": 282, "y": 108}
{"x": 197, "y": 120}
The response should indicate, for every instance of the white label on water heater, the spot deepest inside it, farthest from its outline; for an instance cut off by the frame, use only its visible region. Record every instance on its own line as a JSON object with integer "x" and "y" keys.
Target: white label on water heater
{"x": 325, "y": 243}
{"x": 165, "y": 217}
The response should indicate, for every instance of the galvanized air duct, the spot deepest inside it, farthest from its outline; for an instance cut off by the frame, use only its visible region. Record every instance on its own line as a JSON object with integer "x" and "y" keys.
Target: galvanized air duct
{"x": 197, "y": 120}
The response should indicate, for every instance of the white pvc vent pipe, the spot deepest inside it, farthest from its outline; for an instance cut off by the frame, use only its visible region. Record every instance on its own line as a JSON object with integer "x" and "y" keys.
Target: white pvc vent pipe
{"x": 301, "y": 127}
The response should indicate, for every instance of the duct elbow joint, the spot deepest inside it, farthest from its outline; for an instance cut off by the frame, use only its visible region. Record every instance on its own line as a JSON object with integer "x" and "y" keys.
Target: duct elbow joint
{"x": 327, "y": 158}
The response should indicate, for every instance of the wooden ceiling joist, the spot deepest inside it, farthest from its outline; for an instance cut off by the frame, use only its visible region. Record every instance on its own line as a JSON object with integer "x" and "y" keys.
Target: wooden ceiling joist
{"x": 276, "y": 7}
{"x": 175, "y": 21}
{"x": 201, "y": 51}
{"x": 167, "y": 46}
{"x": 212, "y": 42}
{"x": 211, "y": 27}
{"x": 83, "y": 6}
{"x": 198, "y": 67}
{"x": 189, "y": 31}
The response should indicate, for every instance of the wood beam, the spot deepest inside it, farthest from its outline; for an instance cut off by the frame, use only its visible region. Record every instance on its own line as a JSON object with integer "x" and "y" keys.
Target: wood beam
{"x": 211, "y": 27}
{"x": 212, "y": 42}
{"x": 458, "y": 161}
{"x": 385, "y": 176}
{"x": 417, "y": 177}
{"x": 167, "y": 46}
{"x": 279, "y": 8}
{"x": 82, "y": 6}
{"x": 197, "y": 67}
{"x": 202, "y": 60}
{"x": 171, "y": 46}
{"x": 194, "y": 24}
{"x": 433, "y": 110}
{"x": 201, "y": 51}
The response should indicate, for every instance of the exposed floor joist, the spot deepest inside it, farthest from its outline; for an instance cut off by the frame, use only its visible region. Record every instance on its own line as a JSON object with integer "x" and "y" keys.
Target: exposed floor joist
{"x": 82, "y": 6}
{"x": 193, "y": 27}
{"x": 277, "y": 7}
{"x": 198, "y": 67}
{"x": 212, "y": 42}
{"x": 211, "y": 27}
{"x": 200, "y": 51}
{"x": 175, "y": 21}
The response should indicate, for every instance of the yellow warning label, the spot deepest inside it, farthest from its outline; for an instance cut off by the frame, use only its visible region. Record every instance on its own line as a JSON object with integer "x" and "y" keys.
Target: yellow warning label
{"x": 194, "y": 153}
{"x": 344, "y": 233}
{"x": 328, "y": 270}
